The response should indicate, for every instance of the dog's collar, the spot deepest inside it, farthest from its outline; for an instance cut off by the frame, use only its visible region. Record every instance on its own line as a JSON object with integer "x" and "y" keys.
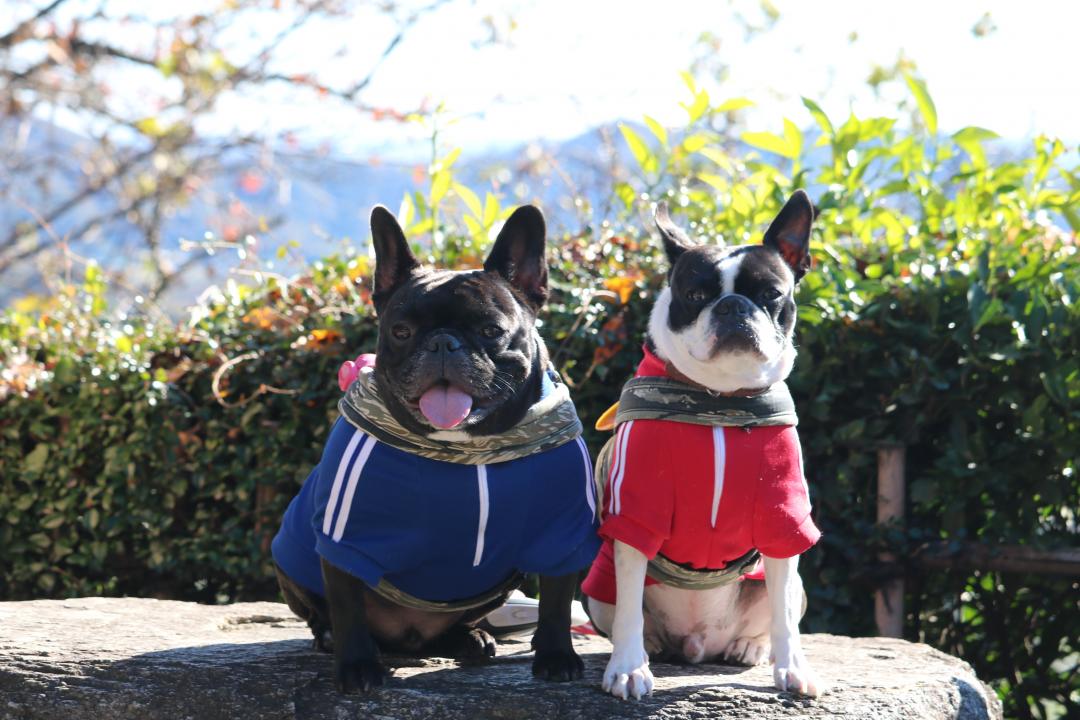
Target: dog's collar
{"x": 673, "y": 372}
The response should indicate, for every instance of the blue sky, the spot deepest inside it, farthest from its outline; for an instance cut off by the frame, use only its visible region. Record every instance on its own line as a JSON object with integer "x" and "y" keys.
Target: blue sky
{"x": 569, "y": 65}
{"x": 573, "y": 64}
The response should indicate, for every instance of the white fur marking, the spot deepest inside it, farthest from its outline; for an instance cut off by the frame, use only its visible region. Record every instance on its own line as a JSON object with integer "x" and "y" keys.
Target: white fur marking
{"x": 627, "y": 674}
{"x": 725, "y": 372}
{"x": 791, "y": 670}
{"x": 729, "y": 270}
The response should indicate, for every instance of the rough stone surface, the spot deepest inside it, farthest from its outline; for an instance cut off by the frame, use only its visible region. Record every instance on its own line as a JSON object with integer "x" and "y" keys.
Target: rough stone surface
{"x": 120, "y": 658}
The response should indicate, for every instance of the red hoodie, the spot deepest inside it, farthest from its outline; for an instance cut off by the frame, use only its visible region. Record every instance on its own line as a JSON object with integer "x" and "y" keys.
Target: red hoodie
{"x": 701, "y": 495}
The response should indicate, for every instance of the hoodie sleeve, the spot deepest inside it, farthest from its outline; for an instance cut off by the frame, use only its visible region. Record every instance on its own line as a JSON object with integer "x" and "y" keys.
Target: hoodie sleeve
{"x": 639, "y": 496}
{"x": 782, "y": 526}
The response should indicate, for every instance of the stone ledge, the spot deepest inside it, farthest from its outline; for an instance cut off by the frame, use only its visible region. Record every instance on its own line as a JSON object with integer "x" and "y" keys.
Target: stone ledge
{"x": 121, "y": 658}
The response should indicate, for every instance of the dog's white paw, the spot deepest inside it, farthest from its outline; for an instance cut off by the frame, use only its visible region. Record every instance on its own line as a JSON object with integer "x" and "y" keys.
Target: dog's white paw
{"x": 792, "y": 672}
{"x": 746, "y": 651}
{"x": 627, "y": 674}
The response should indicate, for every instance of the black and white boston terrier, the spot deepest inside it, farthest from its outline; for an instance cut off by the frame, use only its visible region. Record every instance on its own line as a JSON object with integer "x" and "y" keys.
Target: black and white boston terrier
{"x": 459, "y": 360}
{"x": 704, "y": 496}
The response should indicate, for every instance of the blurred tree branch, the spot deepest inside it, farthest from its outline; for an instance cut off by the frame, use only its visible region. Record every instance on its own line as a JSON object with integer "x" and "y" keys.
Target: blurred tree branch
{"x": 141, "y": 155}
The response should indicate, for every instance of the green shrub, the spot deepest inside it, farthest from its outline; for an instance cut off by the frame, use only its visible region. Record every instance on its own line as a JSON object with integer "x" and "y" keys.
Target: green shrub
{"x": 143, "y": 458}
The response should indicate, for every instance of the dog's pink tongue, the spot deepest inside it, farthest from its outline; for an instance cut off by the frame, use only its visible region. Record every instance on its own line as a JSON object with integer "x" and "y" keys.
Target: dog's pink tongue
{"x": 445, "y": 406}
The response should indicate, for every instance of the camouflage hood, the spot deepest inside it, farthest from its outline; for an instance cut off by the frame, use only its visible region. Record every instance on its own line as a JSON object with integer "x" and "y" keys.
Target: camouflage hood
{"x": 548, "y": 424}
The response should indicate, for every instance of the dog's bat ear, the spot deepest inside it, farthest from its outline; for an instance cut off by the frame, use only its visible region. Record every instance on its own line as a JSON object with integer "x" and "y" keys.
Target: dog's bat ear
{"x": 394, "y": 261}
{"x": 675, "y": 240}
{"x": 789, "y": 233}
{"x": 518, "y": 254}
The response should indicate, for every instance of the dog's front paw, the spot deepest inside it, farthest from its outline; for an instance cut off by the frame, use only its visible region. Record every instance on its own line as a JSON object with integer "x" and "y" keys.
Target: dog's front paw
{"x": 363, "y": 675}
{"x": 627, "y": 674}
{"x": 558, "y": 665}
{"x": 792, "y": 672}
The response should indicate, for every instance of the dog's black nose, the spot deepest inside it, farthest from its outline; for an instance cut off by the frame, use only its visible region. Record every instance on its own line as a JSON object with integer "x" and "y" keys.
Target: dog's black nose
{"x": 443, "y": 342}
{"x": 733, "y": 305}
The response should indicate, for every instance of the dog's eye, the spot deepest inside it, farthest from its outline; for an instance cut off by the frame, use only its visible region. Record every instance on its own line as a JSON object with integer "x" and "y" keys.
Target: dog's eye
{"x": 492, "y": 331}
{"x": 696, "y": 296}
{"x": 401, "y": 331}
{"x": 770, "y": 294}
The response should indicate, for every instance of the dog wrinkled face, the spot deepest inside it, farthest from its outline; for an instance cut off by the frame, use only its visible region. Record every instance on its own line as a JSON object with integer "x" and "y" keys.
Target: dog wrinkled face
{"x": 727, "y": 316}
{"x": 458, "y": 350}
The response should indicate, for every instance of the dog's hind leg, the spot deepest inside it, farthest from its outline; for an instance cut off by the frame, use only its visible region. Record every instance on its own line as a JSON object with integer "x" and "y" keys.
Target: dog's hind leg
{"x": 310, "y": 608}
{"x": 468, "y": 645}
{"x": 602, "y": 615}
{"x": 750, "y": 645}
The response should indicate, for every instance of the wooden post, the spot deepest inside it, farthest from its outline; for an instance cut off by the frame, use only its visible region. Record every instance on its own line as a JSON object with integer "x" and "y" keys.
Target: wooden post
{"x": 891, "y": 494}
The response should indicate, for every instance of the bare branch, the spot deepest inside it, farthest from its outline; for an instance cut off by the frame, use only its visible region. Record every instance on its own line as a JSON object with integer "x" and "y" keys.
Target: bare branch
{"x": 139, "y": 187}
{"x": 16, "y": 35}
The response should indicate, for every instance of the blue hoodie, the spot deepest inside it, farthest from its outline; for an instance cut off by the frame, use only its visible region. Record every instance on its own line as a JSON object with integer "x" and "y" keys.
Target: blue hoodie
{"x": 436, "y": 530}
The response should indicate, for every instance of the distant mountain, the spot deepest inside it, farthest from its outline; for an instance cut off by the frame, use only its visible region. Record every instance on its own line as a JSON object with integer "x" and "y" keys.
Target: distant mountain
{"x": 319, "y": 202}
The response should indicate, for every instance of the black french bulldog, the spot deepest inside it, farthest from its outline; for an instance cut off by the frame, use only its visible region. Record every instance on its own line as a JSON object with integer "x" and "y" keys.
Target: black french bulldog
{"x": 458, "y": 357}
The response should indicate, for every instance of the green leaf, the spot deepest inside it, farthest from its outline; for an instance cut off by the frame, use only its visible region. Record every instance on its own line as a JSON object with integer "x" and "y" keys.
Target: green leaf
{"x": 769, "y": 142}
{"x": 992, "y": 310}
{"x": 470, "y": 199}
{"x": 977, "y": 299}
{"x": 688, "y": 80}
{"x": 167, "y": 65}
{"x": 491, "y": 210}
{"x": 970, "y": 139}
{"x": 1072, "y": 217}
{"x": 793, "y": 138}
{"x": 657, "y": 130}
{"x": 742, "y": 200}
{"x": 421, "y": 227}
{"x": 440, "y": 185}
{"x": 35, "y": 460}
{"x": 694, "y": 143}
{"x": 819, "y": 117}
{"x": 1035, "y": 415}
{"x": 715, "y": 181}
{"x": 406, "y": 211}
{"x": 698, "y": 107}
{"x": 639, "y": 149}
{"x": 151, "y": 127}
{"x": 924, "y": 101}
{"x": 733, "y": 104}
{"x": 718, "y": 156}
{"x": 474, "y": 226}
{"x": 51, "y": 522}
{"x": 625, "y": 193}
